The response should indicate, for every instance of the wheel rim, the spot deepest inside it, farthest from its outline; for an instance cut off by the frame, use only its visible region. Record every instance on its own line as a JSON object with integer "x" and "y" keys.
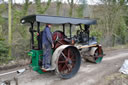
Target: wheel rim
{"x": 68, "y": 63}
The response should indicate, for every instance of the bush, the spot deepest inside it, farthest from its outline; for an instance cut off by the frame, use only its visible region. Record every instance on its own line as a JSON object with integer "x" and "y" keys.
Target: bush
{"x": 4, "y": 58}
{"x": 96, "y": 33}
{"x": 121, "y": 32}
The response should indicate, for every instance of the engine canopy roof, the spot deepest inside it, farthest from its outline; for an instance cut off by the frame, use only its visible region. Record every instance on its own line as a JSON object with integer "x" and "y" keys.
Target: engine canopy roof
{"x": 57, "y": 20}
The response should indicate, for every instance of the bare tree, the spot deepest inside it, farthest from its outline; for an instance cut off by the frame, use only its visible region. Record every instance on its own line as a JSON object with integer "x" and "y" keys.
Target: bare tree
{"x": 9, "y": 26}
{"x": 81, "y": 6}
{"x": 41, "y": 9}
{"x": 25, "y": 7}
{"x": 71, "y": 4}
{"x": 58, "y": 5}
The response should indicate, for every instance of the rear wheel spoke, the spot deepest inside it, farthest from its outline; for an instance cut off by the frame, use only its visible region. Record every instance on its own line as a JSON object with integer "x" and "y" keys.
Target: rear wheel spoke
{"x": 69, "y": 52}
{"x": 61, "y": 61}
{"x": 63, "y": 68}
{"x": 73, "y": 58}
{"x": 69, "y": 68}
{"x": 60, "y": 66}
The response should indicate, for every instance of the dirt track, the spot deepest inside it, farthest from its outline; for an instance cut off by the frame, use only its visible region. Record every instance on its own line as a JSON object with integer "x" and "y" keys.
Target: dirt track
{"x": 89, "y": 73}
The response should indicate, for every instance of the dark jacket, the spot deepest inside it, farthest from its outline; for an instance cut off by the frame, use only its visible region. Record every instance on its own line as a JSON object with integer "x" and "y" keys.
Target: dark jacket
{"x": 47, "y": 37}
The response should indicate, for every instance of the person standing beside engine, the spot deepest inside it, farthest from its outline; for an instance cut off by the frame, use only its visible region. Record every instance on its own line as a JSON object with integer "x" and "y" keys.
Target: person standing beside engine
{"x": 47, "y": 44}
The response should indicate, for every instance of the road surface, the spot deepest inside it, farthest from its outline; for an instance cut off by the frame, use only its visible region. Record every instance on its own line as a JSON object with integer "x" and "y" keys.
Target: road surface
{"x": 89, "y": 73}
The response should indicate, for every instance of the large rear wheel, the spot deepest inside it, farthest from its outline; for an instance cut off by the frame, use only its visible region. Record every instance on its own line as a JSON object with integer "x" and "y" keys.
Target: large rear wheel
{"x": 68, "y": 62}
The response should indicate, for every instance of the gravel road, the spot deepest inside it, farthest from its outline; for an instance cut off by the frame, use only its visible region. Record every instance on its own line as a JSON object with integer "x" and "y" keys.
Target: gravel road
{"x": 89, "y": 73}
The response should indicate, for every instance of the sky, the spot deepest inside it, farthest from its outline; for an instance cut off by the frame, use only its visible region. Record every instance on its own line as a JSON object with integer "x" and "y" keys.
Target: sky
{"x": 91, "y": 2}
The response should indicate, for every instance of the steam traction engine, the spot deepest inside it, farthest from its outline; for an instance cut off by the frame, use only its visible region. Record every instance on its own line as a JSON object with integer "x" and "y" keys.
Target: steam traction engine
{"x": 68, "y": 50}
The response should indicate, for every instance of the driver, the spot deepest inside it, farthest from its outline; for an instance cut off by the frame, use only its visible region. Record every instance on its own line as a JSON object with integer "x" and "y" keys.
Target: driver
{"x": 47, "y": 45}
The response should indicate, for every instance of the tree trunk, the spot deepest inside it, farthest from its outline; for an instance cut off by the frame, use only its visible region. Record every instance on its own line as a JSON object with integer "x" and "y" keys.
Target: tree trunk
{"x": 25, "y": 8}
{"x": 9, "y": 26}
{"x": 71, "y": 7}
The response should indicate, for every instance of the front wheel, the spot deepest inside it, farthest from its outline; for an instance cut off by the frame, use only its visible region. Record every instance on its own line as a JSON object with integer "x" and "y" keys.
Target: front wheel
{"x": 98, "y": 55}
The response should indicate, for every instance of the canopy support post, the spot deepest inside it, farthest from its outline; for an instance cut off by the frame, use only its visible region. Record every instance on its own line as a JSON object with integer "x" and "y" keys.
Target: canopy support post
{"x": 64, "y": 29}
{"x": 38, "y": 30}
{"x": 70, "y": 30}
{"x": 80, "y": 26}
{"x": 32, "y": 34}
